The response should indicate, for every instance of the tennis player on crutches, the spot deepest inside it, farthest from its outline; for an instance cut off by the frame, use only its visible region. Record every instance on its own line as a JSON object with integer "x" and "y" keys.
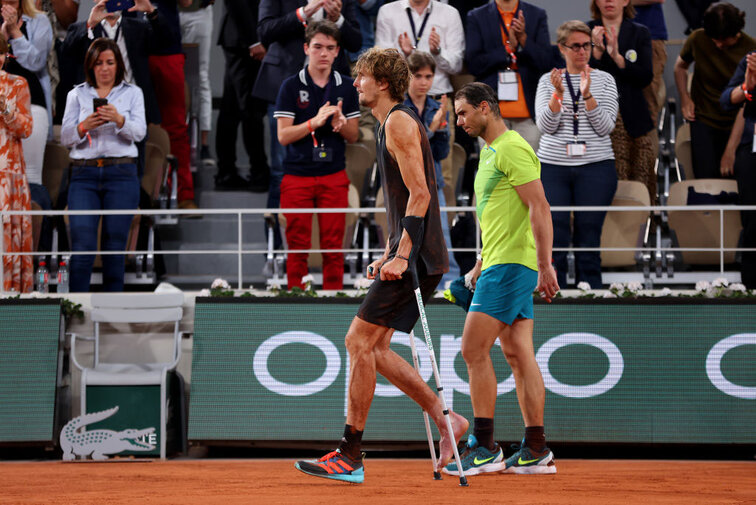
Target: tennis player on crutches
{"x": 517, "y": 236}
{"x": 408, "y": 181}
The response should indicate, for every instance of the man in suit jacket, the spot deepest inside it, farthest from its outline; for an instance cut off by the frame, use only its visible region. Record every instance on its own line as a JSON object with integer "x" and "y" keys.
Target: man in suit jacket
{"x": 509, "y": 41}
{"x": 137, "y": 35}
{"x": 281, "y": 25}
{"x": 244, "y": 52}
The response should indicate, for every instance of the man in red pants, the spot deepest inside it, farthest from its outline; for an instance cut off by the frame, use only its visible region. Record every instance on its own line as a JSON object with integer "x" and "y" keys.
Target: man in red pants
{"x": 167, "y": 72}
{"x": 318, "y": 113}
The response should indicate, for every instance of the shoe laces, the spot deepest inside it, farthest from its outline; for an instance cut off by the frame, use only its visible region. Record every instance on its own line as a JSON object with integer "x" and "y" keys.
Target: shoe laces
{"x": 331, "y": 455}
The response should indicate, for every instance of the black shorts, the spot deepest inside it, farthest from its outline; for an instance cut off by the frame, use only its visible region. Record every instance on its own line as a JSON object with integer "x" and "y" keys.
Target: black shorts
{"x": 393, "y": 304}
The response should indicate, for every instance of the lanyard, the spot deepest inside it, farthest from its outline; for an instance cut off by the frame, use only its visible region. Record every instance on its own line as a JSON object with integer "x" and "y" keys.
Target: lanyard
{"x": 507, "y": 46}
{"x": 416, "y": 36}
{"x": 326, "y": 94}
{"x": 575, "y": 104}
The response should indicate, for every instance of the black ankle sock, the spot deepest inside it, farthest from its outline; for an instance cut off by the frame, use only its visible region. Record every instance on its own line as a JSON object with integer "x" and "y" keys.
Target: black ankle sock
{"x": 535, "y": 438}
{"x": 483, "y": 428}
{"x": 351, "y": 442}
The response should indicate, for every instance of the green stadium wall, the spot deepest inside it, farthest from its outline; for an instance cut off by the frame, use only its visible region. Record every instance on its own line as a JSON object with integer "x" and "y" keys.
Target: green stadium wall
{"x": 616, "y": 371}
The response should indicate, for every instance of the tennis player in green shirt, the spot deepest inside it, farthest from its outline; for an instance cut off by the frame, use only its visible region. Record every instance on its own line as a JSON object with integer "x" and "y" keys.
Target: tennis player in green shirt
{"x": 515, "y": 222}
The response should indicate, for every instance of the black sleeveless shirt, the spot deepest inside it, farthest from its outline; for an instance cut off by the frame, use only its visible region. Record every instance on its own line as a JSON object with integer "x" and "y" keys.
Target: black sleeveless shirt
{"x": 395, "y": 195}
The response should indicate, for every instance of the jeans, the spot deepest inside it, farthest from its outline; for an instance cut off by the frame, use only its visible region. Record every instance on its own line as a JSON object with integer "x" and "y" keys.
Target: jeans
{"x": 101, "y": 188}
{"x": 593, "y": 184}
{"x": 453, "y": 272}
{"x": 41, "y": 196}
{"x": 276, "y": 171}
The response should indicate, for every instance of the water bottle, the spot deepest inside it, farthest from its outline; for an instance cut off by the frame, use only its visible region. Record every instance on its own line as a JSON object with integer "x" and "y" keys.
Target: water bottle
{"x": 42, "y": 277}
{"x": 63, "y": 277}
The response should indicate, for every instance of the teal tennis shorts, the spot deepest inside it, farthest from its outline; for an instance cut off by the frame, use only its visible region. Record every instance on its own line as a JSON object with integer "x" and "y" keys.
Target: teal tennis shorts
{"x": 505, "y": 292}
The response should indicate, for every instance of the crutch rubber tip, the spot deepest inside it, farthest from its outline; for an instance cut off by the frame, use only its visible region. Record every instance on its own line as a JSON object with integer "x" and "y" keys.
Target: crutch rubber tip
{"x": 463, "y": 482}
{"x": 436, "y": 475}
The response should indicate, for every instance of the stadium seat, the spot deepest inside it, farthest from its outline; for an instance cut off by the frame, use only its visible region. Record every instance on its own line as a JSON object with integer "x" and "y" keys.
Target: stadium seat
{"x": 358, "y": 164}
{"x": 625, "y": 228}
{"x": 110, "y": 310}
{"x": 702, "y": 228}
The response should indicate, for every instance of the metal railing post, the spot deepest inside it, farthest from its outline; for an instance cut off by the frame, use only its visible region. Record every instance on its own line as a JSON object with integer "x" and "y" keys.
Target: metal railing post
{"x": 721, "y": 241}
{"x": 239, "y": 247}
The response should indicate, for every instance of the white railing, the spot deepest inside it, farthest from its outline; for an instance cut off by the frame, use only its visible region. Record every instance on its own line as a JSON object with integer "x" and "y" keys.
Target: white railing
{"x": 241, "y": 251}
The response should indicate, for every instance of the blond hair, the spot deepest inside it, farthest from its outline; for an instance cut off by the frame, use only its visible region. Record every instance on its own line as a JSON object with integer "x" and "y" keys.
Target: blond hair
{"x": 386, "y": 65}
{"x": 568, "y": 28}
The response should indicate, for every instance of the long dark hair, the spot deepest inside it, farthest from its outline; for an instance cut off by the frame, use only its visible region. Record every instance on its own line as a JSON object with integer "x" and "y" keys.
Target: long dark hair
{"x": 94, "y": 51}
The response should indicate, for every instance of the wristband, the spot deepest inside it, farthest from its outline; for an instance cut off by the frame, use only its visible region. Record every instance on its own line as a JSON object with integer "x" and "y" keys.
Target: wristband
{"x": 748, "y": 94}
{"x": 309, "y": 126}
{"x": 301, "y": 16}
{"x": 586, "y": 98}
{"x": 555, "y": 96}
{"x": 81, "y": 129}
{"x": 402, "y": 258}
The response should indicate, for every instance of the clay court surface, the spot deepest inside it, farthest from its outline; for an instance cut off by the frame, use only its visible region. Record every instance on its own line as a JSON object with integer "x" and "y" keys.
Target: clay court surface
{"x": 230, "y": 482}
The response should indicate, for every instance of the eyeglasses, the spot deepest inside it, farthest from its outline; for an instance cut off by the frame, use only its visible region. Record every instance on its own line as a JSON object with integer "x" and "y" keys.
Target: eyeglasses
{"x": 577, "y": 47}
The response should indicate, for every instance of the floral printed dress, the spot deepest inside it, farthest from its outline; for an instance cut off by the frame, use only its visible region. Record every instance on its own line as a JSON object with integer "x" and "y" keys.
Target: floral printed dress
{"x": 18, "y": 274}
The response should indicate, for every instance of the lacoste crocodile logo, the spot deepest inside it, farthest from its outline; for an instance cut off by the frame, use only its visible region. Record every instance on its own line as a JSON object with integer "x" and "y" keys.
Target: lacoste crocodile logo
{"x": 76, "y": 441}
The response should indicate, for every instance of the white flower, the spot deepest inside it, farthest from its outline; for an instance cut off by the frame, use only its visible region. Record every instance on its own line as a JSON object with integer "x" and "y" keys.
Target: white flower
{"x": 220, "y": 284}
{"x": 35, "y": 294}
{"x": 616, "y": 286}
{"x": 274, "y": 284}
{"x": 204, "y": 292}
{"x": 721, "y": 282}
{"x": 362, "y": 282}
{"x": 584, "y": 286}
{"x": 609, "y": 294}
{"x": 738, "y": 287}
{"x": 634, "y": 286}
{"x": 308, "y": 279}
{"x": 702, "y": 286}
{"x": 665, "y": 292}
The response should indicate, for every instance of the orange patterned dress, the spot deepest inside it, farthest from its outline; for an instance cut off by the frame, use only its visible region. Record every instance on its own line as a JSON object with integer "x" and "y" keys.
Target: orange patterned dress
{"x": 18, "y": 274}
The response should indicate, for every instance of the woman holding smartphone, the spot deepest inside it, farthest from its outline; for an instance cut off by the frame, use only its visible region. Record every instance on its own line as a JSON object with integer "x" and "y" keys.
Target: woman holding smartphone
{"x": 104, "y": 118}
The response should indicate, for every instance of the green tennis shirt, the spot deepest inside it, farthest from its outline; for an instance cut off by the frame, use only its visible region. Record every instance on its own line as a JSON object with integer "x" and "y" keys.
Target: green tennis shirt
{"x": 504, "y": 219}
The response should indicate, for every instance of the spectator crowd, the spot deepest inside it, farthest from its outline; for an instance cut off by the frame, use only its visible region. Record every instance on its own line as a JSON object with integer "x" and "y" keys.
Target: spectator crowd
{"x": 588, "y": 105}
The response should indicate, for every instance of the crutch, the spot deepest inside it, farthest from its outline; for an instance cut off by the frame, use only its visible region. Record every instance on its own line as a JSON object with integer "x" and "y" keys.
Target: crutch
{"x": 415, "y": 227}
{"x": 436, "y": 473}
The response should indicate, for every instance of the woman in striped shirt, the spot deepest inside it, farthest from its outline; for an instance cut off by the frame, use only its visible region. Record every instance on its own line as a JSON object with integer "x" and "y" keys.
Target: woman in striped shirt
{"x": 576, "y": 110}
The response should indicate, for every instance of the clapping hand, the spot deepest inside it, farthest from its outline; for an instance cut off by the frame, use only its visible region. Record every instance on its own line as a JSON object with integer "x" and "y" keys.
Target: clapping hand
{"x": 434, "y": 41}
{"x": 339, "y": 120}
{"x": 750, "y": 76}
{"x": 597, "y": 37}
{"x": 518, "y": 30}
{"x": 556, "y": 81}
{"x": 333, "y": 9}
{"x": 440, "y": 116}
{"x": 585, "y": 81}
{"x": 12, "y": 22}
{"x": 326, "y": 111}
{"x": 312, "y": 7}
{"x": 405, "y": 44}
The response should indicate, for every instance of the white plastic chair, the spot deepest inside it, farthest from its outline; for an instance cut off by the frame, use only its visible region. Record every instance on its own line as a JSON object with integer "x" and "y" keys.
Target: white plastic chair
{"x": 112, "y": 308}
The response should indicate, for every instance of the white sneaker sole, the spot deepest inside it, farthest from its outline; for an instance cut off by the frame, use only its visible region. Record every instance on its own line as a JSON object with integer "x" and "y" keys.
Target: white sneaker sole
{"x": 477, "y": 470}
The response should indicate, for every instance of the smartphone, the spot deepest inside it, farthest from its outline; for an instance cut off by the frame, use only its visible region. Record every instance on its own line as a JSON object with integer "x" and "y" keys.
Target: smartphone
{"x": 118, "y": 5}
{"x": 98, "y": 102}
